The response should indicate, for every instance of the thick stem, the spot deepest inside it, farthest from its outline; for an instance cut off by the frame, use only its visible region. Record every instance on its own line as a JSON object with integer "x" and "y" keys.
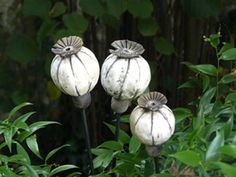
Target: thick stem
{"x": 88, "y": 144}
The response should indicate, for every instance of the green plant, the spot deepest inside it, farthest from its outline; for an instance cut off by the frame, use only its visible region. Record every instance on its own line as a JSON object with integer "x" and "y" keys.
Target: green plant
{"x": 204, "y": 142}
{"x": 17, "y": 137}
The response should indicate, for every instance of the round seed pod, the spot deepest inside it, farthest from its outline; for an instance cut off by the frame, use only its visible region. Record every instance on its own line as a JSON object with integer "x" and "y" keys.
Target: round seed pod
{"x": 152, "y": 122}
{"x": 125, "y": 74}
{"x": 74, "y": 69}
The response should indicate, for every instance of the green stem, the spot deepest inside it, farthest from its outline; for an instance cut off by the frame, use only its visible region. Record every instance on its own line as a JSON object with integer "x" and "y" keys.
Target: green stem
{"x": 157, "y": 165}
{"x": 117, "y": 130}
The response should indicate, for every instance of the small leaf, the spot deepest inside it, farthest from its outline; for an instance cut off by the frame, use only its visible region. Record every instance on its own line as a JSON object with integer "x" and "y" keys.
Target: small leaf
{"x": 91, "y": 7}
{"x": 58, "y": 9}
{"x": 148, "y": 26}
{"x": 140, "y": 8}
{"x": 33, "y": 145}
{"x": 190, "y": 158}
{"x": 217, "y": 142}
{"x": 134, "y": 145}
{"x": 54, "y": 151}
{"x": 61, "y": 169}
{"x": 229, "y": 150}
{"x": 229, "y": 54}
{"x": 112, "y": 145}
{"x": 227, "y": 169}
{"x": 22, "y": 118}
{"x": 163, "y": 46}
{"x": 75, "y": 23}
{"x": 17, "y": 108}
{"x": 205, "y": 69}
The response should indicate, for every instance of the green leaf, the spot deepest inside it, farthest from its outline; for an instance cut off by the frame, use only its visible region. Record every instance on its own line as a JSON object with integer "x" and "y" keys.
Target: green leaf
{"x": 148, "y": 26}
{"x": 217, "y": 142}
{"x": 125, "y": 118}
{"x": 161, "y": 175}
{"x": 53, "y": 92}
{"x": 75, "y": 23}
{"x": 112, "y": 145}
{"x": 17, "y": 108}
{"x": 226, "y": 46}
{"x": 5, "y": 171}
{"x": 38, "y": 8}
{"x": 61, "y": 169}
{"x": 91, "y": 7}
{"x": 190, "y": 158}
{"x": 181, "y": 114}
{"x": 116, "y": 7}
{"x": 54, "y": 151}
{"x": 123, "y": 136}
{"x": 58, "y": 9}
{"x": 47, "y": 28}
{"x": 231, "y": 97}
{"x": 20, "y": 150}
{"x": 188, "y": 84}
{"x": 226, "y": 79}
{"x": 205, "y": 69}
{"x": 227, "y": 169}
{"x": 140, "y": 8}
{"x": 21, "y": 48}
{"x": 229, "y": 54}
{"x": 33, "y": 145}
{"x": 163, "y": 46}
{"x": 206, "y": 99}
{"x": 229, "y": 150}
{"x": 22, "y": 118}
{"x": 31, "y": 171}
{"x": 8, "y": 134}
{"x": 134, "y": 145}
{"x": 103, "y": 160}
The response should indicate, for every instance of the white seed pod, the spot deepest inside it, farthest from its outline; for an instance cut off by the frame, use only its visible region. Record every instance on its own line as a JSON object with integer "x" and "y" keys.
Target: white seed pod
{"x": 125, "y": 74}
{"x": 74, "y": 69}
{"x": 152, "y": 122}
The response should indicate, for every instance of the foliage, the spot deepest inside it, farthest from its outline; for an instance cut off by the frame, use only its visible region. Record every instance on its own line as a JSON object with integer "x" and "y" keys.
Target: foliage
{"x": 17, "y": 138}
{"x": 204, "y": 141}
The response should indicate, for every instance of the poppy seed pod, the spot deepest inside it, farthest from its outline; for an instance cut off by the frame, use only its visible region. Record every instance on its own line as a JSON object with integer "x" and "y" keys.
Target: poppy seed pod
{"x": 152, "y": 122}
{"x": 125, "y": 74}
{"x": 74, "y": 69}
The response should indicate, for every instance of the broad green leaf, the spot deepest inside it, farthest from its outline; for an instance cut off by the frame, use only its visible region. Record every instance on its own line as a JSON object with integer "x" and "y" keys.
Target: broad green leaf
{"x": 19, "y": 97}
{"x": 229, "y": 54}
{"x": 116, "y": 7}
{"x": 75, "y": 23}
{"x": 202, "y": 8}
{"x": 181, "y": 113}
{"x": 17, "y": 158}
{"x": 126, "y": 169}
{"x": 54, "y": 151}
{"x": 231, "y": 97}
{"x": 148, "y": 26}
{"x": 206, "y": 98}
{"x": 21, "y": 48}
{"x": 228, "y": 170}
{"x": 134, "y": 145}
{"x": 7, "y": 172}
{"x": 53, "y": 92}
{"x": 190, "y": 158}
{"x": 38, "y": 8}
{"x": 140, "y": 8}
{"x": 205, "y": 69}
{"x": 99, "y": 151}
{"x": 91, "y": 7}
{"x": 61, "y": 169}
{"x": 205, "y": 82}
{"x": 112, "y": 145}
{"x": 124, "y": 118}
{"x": 226, "y": 46}
{"x": 229, "y": 149}
{"x": 17, "y": 108}
{"x": 226, "y": 79}
{"x": 58, "y": 9}
{"x": 217, "y": 142}
{"x": 20, "y": 150}
{"x": 31, "y": 171}
{"x": 123, "y": 136}
{"x": 103, "y": 160}
{"x": 163, "y": 46}
{"x": 33, "y": 145}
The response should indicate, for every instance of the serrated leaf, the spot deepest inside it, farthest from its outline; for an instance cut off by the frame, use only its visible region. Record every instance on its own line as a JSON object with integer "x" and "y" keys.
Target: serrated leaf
{"x": 61, "y": 169}
{"x": 163, "y": 46}
{"x": 190, "y": 158}
{"x": 112, "y": 145}
{"x": 134, "y": 145}
{"x": 33, "y": 145}
{"x": 75, "y": 23}
{"x": 140, "y": 8}
{"x": 21, "y": 48}
{"x": 148, "y": 26}
{"x": 91, "y": 7}
{"x": 54, "y": 151}
{"x": 229, "y": 55}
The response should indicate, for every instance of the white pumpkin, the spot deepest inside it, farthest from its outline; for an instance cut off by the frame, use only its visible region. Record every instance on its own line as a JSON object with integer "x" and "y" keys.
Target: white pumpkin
{"x": 125, "y": 74}
{"x": 152, "y": 122}
{"x": 74, "y": 69}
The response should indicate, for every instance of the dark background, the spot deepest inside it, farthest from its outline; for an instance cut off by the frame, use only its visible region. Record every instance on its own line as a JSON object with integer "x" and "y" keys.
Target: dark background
{"x": 171, "y": 31}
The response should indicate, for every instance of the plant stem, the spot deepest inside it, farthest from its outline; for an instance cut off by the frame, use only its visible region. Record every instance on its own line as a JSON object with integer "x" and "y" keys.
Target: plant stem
{"x": 156, "y": 162}
{"x": 88, "y": 144}
{"x": 117, "y": 130}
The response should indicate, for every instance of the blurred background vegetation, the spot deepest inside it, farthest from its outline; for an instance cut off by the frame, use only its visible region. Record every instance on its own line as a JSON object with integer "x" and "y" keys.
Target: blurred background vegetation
{"x": 171, "y": 31}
